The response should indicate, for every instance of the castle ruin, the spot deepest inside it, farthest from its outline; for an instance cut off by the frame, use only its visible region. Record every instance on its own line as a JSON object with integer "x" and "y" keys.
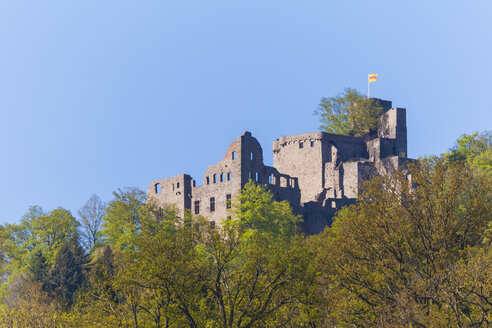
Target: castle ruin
{"x": 316, "y": 172}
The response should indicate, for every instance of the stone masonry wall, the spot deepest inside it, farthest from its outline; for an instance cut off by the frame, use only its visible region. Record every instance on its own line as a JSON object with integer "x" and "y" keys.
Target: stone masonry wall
{"x": 316, "y": 172}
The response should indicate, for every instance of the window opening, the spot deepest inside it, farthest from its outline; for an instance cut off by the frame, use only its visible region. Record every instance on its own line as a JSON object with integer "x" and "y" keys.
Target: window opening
{"x": 270, "y": 179}
{"x": 197, "y": 207}
{"x": 222, "y": 177}
{"x": 177, "y": 185}
{"x": 208, "y": 180}
{"x": 251, "y": 155}
{"x": 215, "y": 178}
{"x": 250, "y": 175}
{"x": 312, "y": 143}
{"x": 228, "y": 201}
{"x": 157, "y": 188}
{"x": 229, "y": 176}
{"x": 301, "y": 144}
{"x": 256, "y": 177}
{"x": 212, "y": 204}
{"x": 233, "y": 155}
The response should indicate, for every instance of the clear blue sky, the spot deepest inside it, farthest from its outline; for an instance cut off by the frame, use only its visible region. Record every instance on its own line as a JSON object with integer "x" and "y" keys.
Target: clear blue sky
{"x": 96, "y": 95}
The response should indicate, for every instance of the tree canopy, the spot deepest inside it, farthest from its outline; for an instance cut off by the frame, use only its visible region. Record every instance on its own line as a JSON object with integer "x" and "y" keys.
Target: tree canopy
{"x": 348, "y": 113}
{"x": 414, "y": 251}
{"x": 475, "y": 150}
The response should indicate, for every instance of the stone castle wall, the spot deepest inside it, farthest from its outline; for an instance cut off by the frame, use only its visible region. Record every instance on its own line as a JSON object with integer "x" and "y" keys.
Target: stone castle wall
{"x": 316, "y": 172}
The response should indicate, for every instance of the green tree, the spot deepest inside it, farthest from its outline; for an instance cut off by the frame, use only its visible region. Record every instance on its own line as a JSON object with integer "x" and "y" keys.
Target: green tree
{"x": 401, "y": 256}
{"x": 475, "y": 150}
{"x": 245, "y": 273}
{"x": 50, "y": 232}
{"x": 349, "y": 113}
{"x": 38, "y": 235}
{"x": 123, "y": 217}
{"x": 39, "y": 267}
{"x": 255, "y": 208}
{"x": 68, "y": 270}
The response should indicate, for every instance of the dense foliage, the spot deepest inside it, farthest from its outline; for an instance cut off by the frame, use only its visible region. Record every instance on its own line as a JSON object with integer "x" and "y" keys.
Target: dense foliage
{"x": 413, "y": 252}
{"x": 349, "y": 113}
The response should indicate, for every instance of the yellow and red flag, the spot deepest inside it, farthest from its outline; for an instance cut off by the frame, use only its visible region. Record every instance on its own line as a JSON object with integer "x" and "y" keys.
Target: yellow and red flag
{"x": 372, "y": 77}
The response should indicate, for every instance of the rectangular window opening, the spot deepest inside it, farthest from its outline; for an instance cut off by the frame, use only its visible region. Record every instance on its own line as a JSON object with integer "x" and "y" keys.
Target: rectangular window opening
{"x": 208, "y": 180}
{"x": 256, "y": 177}
{"x": 215, "y": 178}
{"x": 251, "y": 155}
{"x": 228, "y": 201}
{"x": 212, "y": 204}
{"x": 157, "y": 188}
{"x": 229, "y": 176}
{"x": 312, "y": 143}
{"x": 197, "y": 207}
{"x": 222, "y": 177}
{"x": 233, "y": 155}
{"x": 177, "y": 185}
{"x": 301, "y": 144}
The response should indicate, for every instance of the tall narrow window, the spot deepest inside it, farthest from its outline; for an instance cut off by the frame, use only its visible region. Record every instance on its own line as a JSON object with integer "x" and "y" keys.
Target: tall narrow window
{"x": 251, "y": 155}
{"x": 212, "y": 204}
{"x": 229, "y": 176}
{"x": 215, "y": 178}
{"x": 228, "y": 201}
{"x": 222, "y": 177}
{"x": 270, "y": 179}
{"x": 233, "y": 155}
{"x": 312, "y": 143}
{"x": 208, "y": 180}
{"x": 194, "y": 183}
{"x": 157, "y": 188}
{"x": 197, "y": 207}
{"x": 250, "y": 176}
{"x": 256, "y": 177}
{"x": 177, "y": 185}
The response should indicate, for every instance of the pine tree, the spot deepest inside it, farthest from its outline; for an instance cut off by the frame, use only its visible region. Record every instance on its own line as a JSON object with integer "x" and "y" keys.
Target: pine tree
{"x": 68, "y": 272}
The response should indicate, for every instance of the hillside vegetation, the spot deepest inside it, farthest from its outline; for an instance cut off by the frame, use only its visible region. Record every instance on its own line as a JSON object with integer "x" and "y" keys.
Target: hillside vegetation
{"x": 410, "y": 253}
